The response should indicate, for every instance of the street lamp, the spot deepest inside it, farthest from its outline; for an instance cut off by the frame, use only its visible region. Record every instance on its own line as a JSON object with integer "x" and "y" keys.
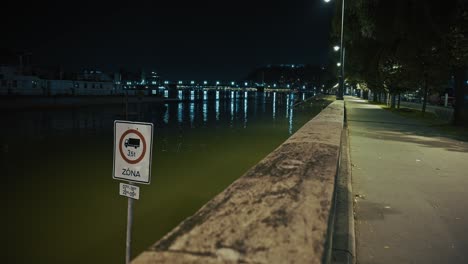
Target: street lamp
{"x": 339, "y": 96}
{"x": 336, "y": 48}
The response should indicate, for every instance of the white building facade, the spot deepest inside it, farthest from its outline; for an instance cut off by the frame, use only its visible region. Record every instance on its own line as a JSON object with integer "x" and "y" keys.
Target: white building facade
{"x": 12, "y": 82}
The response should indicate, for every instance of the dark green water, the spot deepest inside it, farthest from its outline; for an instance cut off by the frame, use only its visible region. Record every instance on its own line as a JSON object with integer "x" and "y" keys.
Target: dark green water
{"x": 62, "y": 205}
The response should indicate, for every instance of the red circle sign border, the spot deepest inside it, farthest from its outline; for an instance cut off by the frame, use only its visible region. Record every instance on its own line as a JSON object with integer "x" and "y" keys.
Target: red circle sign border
{"x": 144, "y": 146}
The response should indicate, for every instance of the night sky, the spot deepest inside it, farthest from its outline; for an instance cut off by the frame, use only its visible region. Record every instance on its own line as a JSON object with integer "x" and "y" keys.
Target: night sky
{"x": 179, "y": 39}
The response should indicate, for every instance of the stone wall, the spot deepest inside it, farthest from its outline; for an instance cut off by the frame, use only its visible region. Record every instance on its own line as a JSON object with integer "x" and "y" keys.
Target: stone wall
{"x": 277, "y": 212}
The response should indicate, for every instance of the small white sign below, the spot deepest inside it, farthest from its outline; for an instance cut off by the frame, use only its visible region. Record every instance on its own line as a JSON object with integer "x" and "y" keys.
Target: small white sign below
{"x": 130, "y": 191}
{"x": 133, "y": 144}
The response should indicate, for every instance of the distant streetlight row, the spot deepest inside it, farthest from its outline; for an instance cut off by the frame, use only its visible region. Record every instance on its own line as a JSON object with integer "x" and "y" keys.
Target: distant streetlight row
{"x": 206, "y": 83}
{"x": 232, "y": 83}
{"x": 217, "y": 83}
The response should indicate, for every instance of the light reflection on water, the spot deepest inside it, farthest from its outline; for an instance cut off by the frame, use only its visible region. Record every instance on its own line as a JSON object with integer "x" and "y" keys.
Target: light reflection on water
{"x": 274, "y": 105}
{"x": 242, "y": 108}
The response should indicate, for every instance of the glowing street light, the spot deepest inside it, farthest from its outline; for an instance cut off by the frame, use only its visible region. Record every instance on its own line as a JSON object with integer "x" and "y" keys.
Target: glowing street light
{"x": 336, "y": 48}
{"x": 338, "y": 64}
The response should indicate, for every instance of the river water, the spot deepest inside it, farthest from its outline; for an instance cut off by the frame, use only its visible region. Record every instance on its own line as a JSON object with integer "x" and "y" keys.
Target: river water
{"x": 62, "y": 205}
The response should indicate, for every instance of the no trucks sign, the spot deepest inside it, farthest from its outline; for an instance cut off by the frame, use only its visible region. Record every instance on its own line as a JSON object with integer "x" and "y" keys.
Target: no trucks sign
{"x": 133, "y": 143}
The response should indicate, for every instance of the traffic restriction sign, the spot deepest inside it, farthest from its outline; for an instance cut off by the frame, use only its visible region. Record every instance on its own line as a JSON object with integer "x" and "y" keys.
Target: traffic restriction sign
{"x": 133, "y": 143}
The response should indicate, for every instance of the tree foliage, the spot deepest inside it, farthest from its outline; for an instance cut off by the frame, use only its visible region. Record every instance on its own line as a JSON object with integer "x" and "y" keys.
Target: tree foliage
{"x": 405, "y": 45}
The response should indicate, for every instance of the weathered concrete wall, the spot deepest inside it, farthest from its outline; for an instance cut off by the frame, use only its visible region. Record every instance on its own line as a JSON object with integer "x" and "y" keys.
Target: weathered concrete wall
{"x": 278, "y": 212}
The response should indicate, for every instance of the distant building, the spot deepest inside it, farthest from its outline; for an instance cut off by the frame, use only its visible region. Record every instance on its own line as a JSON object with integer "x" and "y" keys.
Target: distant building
{"x": 79, "y": 87}
{"x": 13, "y": 82}
{"x": 142, "y": 82}
{"x": 19, "y": 77}
{"x": 152, "y": 79}
{"x": 94, "y": 75}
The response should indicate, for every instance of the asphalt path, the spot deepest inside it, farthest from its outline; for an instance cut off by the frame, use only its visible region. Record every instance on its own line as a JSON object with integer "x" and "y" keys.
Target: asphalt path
{"x": 411, "y": 189}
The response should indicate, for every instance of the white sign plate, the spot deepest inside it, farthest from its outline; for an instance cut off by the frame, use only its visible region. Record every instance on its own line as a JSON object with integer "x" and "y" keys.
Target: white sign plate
{"x": 133, "y": 144}
{"x": 130, "y": 191}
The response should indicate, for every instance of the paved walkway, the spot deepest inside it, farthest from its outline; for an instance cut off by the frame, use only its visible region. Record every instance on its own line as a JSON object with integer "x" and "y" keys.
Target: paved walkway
{"x": 411, "y": 189}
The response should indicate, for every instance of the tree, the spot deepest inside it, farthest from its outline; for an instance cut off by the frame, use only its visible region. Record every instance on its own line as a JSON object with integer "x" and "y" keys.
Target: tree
{"x": 457, "y": 43}
{"x": 397, "y": 46}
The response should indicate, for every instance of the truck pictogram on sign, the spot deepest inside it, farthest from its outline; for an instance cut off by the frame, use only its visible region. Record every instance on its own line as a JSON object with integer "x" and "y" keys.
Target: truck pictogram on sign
{"x": 132, "y": 142}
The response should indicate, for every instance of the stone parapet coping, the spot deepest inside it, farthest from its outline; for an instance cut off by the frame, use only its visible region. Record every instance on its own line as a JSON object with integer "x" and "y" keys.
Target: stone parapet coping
{"x": 278, "y": 212}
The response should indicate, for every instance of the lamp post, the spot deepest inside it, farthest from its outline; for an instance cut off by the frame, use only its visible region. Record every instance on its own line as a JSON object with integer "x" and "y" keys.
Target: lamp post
{"x": 339, "y": 96}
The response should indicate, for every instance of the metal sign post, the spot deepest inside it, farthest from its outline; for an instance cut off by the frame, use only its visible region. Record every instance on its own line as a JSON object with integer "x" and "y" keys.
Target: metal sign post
{"x": 128, "y": 243}
{"x": 133, "y": 144}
